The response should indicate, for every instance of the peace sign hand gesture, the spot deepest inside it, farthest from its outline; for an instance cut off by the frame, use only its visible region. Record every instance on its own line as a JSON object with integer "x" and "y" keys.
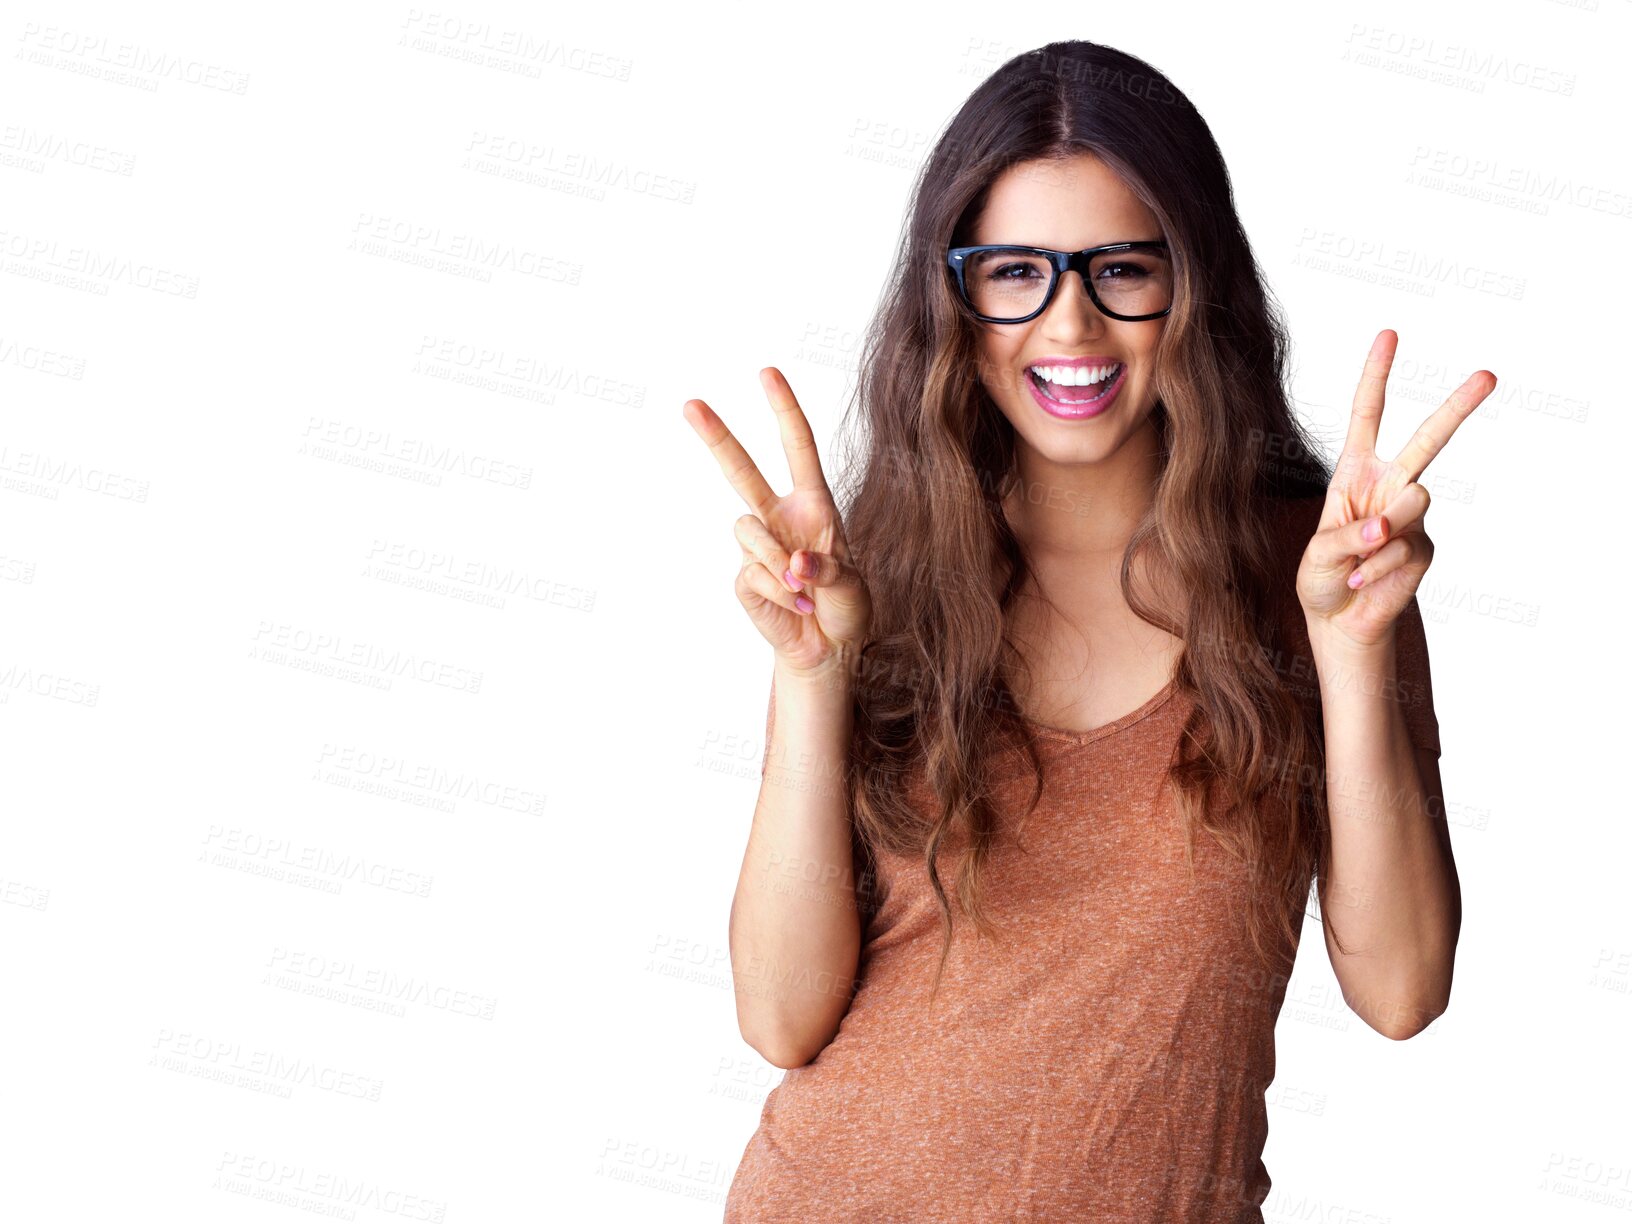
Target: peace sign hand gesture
{"x": 1374, "y": 512}
{"x": 797, "y": 582}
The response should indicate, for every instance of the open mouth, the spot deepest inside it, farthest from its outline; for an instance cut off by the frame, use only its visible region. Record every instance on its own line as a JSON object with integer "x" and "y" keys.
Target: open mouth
{"x": 1074, "y": 386}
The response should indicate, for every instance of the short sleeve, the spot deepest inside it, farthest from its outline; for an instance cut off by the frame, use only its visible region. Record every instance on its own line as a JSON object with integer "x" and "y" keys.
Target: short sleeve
{"x": 1413, "y": 686}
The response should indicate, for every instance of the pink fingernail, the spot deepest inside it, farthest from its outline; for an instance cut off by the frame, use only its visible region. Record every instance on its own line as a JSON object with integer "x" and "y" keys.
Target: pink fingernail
{"x": 1355, "y": 579}
{"x": 803, "y": 604}
{"x": 1373, "y": 530}
{"x": 794, "y": 583}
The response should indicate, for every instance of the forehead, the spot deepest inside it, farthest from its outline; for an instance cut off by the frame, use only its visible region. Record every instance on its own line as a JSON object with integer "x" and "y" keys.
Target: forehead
{"x": 1065, "y": 205}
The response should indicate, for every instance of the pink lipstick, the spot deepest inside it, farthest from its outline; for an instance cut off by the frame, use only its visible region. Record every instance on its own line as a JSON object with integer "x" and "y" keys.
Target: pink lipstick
{"x": 1075, "y": 403}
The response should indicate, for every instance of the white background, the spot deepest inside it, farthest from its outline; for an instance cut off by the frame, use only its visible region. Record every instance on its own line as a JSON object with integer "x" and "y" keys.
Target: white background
{"x": 327, "y": 870}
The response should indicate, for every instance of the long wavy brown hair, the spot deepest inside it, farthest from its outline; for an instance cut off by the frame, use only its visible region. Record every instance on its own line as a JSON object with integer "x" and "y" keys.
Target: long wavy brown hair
{"x": 922, "y": 493}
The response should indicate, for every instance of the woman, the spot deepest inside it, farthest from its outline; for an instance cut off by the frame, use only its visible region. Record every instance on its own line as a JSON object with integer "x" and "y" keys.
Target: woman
{"x": 1102, "y": 641}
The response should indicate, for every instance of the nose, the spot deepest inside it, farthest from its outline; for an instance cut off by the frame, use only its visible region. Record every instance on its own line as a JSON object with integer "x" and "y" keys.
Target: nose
{"x": 1072, "y": 314}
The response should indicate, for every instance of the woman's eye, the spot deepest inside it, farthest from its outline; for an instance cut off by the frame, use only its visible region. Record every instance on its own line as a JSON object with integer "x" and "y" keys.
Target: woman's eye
{"x": 1012, "y": 272}
{"x": 1125, "y": 271}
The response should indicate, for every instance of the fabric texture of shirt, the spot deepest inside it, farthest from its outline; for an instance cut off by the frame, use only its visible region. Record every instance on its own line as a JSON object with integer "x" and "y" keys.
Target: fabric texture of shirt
{"x": 1107, "y": 1060}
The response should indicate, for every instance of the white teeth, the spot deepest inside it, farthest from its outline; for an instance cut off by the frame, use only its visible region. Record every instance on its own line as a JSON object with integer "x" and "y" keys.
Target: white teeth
{"x": 1075, "y": 376}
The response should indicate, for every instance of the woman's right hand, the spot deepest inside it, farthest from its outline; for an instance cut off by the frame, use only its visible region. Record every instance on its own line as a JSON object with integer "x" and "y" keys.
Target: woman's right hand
{"x": 820, "y": 618}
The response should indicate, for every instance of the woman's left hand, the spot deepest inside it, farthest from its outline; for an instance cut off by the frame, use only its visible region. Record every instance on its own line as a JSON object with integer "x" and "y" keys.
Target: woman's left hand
{"x": 1353, "y": 583}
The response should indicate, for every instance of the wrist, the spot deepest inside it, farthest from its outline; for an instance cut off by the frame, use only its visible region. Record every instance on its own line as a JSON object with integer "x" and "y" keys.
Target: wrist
{"x": 834, "y": 676}
{"x": 1328, "y": 639}
{"x": 1341, "y": 662}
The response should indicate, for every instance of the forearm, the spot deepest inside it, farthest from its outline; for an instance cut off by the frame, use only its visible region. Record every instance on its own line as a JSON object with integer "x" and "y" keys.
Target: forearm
{"x": 795, "y": 932}
{"x": 1391, "y": 891}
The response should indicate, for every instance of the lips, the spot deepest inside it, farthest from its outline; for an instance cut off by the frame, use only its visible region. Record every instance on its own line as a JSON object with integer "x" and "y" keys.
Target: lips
{"x": 1081, "y": 405}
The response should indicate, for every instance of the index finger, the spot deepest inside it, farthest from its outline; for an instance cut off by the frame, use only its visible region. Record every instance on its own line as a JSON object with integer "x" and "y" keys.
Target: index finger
{"x": 734, "y": 461}
{"x": 1368, "y": 396}
{"x": 1436, "y": 431}
{"x": 797, "y": 440}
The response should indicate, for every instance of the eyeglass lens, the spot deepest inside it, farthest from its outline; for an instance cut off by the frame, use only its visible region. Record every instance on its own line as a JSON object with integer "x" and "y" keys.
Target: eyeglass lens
{"x": 1011, "y": 283}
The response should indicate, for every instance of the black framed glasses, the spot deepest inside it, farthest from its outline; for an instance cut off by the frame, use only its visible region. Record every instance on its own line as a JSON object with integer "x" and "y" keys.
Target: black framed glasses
{"x": 1131, "y": 281}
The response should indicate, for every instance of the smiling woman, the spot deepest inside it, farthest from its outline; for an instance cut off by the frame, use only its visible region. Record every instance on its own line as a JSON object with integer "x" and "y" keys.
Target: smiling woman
{"x": 1082, "y": 647}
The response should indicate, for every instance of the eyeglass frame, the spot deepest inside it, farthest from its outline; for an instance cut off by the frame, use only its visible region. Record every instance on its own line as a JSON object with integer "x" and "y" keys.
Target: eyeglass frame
{"x": 1061, "y": 262}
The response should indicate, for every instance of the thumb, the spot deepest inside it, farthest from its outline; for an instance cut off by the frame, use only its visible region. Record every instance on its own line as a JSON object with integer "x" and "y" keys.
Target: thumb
{"x": 822, "y": 569}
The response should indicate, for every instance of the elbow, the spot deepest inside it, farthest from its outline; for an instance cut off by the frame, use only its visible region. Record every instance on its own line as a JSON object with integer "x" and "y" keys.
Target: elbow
{"x": 1401, "y": 1032}
{"x": 788, "y": 1041}
{"x": 782, "y": 1051}
{"x": 785, "y": 1061}
{"x": 1406, "y": 1023}
{"x": 1428, "y": 992}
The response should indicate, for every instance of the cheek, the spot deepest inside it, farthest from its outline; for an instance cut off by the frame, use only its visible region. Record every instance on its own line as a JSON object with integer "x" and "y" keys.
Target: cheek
{"x": 997, "y": 357}
{"x": 1147, "y": 353}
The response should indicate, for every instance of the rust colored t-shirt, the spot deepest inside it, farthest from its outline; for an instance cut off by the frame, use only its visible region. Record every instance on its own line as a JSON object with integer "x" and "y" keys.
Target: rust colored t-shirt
{"x": 1107, "y": 1061}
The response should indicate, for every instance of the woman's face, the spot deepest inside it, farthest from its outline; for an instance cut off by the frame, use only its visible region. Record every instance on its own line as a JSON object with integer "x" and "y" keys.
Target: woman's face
{"x": 1068, "y": 206}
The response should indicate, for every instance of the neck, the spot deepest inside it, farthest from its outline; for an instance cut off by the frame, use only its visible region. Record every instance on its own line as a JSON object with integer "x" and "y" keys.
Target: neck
{"x": 1083, "y": 513}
